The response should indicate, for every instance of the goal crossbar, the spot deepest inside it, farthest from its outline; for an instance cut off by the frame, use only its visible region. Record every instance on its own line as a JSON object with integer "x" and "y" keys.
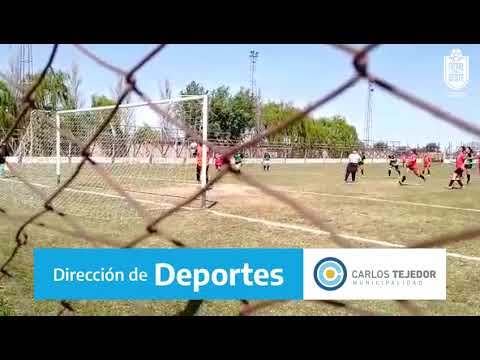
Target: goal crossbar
{"x": 133, "y": 105}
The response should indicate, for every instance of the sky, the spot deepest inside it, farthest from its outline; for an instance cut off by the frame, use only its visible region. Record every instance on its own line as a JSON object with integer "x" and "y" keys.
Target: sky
{"x": 297, "y": 73}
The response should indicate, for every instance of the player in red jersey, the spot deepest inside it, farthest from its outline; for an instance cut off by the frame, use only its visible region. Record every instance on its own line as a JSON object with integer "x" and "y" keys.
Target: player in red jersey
{"x": 459, "y": 168}
{"x": 199, "y": 161}
{"x": 218, "y": 161}
{"x": 427, "y": 163}
{"x": 411, "y": 163}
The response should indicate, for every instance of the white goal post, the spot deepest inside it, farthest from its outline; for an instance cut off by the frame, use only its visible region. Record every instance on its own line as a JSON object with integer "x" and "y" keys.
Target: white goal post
{"x": 139, "y": 149}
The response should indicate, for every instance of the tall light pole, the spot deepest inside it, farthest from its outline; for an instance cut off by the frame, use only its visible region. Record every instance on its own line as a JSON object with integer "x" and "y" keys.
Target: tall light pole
{"x": 368, "y": 115}
{"x": 24, "y": 68}
{"x": 253, "y": 62}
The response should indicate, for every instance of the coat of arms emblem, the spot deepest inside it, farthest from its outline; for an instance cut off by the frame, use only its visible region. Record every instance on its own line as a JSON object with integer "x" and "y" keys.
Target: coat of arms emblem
{"x": 455, "y": 70}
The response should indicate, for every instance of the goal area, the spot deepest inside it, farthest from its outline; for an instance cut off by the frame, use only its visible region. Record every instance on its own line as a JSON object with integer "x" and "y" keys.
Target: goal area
{"x": 144, "y": 148}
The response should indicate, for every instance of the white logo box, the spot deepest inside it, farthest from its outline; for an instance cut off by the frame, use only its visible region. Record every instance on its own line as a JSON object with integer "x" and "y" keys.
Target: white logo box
{"x": 380, "y": 274}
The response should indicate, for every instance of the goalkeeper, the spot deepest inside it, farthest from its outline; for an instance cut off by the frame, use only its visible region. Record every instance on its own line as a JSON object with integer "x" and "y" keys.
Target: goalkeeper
{"x": 266, "y": 161}
{"x": 198, "y": 153}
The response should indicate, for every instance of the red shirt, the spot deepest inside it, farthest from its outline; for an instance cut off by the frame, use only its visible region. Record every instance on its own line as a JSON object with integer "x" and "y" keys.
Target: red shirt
{"x": 427, "y": 160}
{"x": 460, "y": 163}
{"x": 412, "y": 161}
{"x": 219, "y": 160}
{"x": 199, "y": 155}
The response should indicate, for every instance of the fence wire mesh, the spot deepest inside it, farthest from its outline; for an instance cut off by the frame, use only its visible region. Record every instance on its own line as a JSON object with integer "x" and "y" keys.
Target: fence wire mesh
{"x": 51, "y": 203}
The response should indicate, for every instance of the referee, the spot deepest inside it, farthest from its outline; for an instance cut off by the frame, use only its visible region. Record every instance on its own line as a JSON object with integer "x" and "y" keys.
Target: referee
{"x": 352, "y": 167}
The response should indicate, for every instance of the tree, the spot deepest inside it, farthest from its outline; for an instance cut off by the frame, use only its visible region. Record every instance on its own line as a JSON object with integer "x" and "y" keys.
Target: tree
{"x": 275, "y": 113}
{"x": 7, "y": 106}
{"x": 243, "y": 113}
{"x": 14, "y": 81}
{"x": 74, "y": 81}
{"x": 190, "y": 112}
{"x": 220, "y": 113}
{"x": 333, "y": 132}
{"x": 101, "y": 100}
{"x": 115, "y": 138}
{"x": 193, "y": 88}
{"x": 145, "y": 134}
{"x": 119, "y": 88}
{"x": 53, "y": 93}
{"x": 165, "y": 90}
{"x": 230, "y": 116}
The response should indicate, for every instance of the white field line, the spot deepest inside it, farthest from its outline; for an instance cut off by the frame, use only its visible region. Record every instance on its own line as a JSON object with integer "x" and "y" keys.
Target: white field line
{"x": 100, "y": 194}
{"x": 321, "y": 232}
{"x": 383, "y": 200}
{"x": 268, "y": 222}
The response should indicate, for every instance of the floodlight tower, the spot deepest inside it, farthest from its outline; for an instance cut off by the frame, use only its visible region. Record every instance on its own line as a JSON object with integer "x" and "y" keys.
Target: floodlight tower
{"x": 253, "y": 92}
{"x": 25, "y": 61}
{"x": 253, "y": 61}
{"x": 368, "y": 115}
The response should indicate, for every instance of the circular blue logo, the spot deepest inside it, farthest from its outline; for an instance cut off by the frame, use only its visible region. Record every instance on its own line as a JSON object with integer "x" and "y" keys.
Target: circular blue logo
{"x": 330, "y": 273}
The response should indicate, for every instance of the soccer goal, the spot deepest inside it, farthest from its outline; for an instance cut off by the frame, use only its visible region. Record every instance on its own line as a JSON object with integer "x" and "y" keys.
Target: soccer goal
{"x": 142, "y": 151}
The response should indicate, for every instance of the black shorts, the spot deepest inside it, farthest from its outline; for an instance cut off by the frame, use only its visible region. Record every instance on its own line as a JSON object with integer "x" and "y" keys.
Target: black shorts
{"x": 360, "y": 163}
{"x": 468, "y": 166}
{"x": 351, "y": 167}
{"x": 394, "y": 164}
{"x": 459, "y": 171}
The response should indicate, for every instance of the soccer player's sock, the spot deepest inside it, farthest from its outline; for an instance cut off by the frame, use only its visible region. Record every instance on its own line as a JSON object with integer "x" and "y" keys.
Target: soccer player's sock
{"x": 361, "y": 170}
{"x": 389, "y": 172}
{"x": 422, "y": 177}
{"x": 404, "y": 178}
{"x": 399, "y": 173}
{"x": 451, "y": 183}
{"x": 468, "y": 178}
{"x": 460, "y": 182}
{"x": 428, "y": 171}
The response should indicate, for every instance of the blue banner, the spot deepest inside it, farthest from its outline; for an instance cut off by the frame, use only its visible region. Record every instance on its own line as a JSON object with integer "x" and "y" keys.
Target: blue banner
{"x": 168, "y": 274}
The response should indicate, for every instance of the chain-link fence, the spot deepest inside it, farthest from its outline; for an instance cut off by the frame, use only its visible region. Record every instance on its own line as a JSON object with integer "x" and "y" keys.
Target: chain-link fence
{"x": 49, "y": 201}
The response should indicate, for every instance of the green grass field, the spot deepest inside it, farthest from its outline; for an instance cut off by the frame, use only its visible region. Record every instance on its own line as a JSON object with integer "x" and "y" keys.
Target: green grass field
{"x": 376, "y": 208}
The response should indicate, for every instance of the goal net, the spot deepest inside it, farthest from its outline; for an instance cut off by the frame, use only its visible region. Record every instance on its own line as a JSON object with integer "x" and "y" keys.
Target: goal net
{"x": 150, "y": 156}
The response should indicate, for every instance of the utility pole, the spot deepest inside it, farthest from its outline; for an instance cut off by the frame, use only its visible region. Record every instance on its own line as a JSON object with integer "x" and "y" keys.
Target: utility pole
{"x": 368, "y": 115}
{"x": 25, "y": 65}
{"x": 253, "y": 91}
